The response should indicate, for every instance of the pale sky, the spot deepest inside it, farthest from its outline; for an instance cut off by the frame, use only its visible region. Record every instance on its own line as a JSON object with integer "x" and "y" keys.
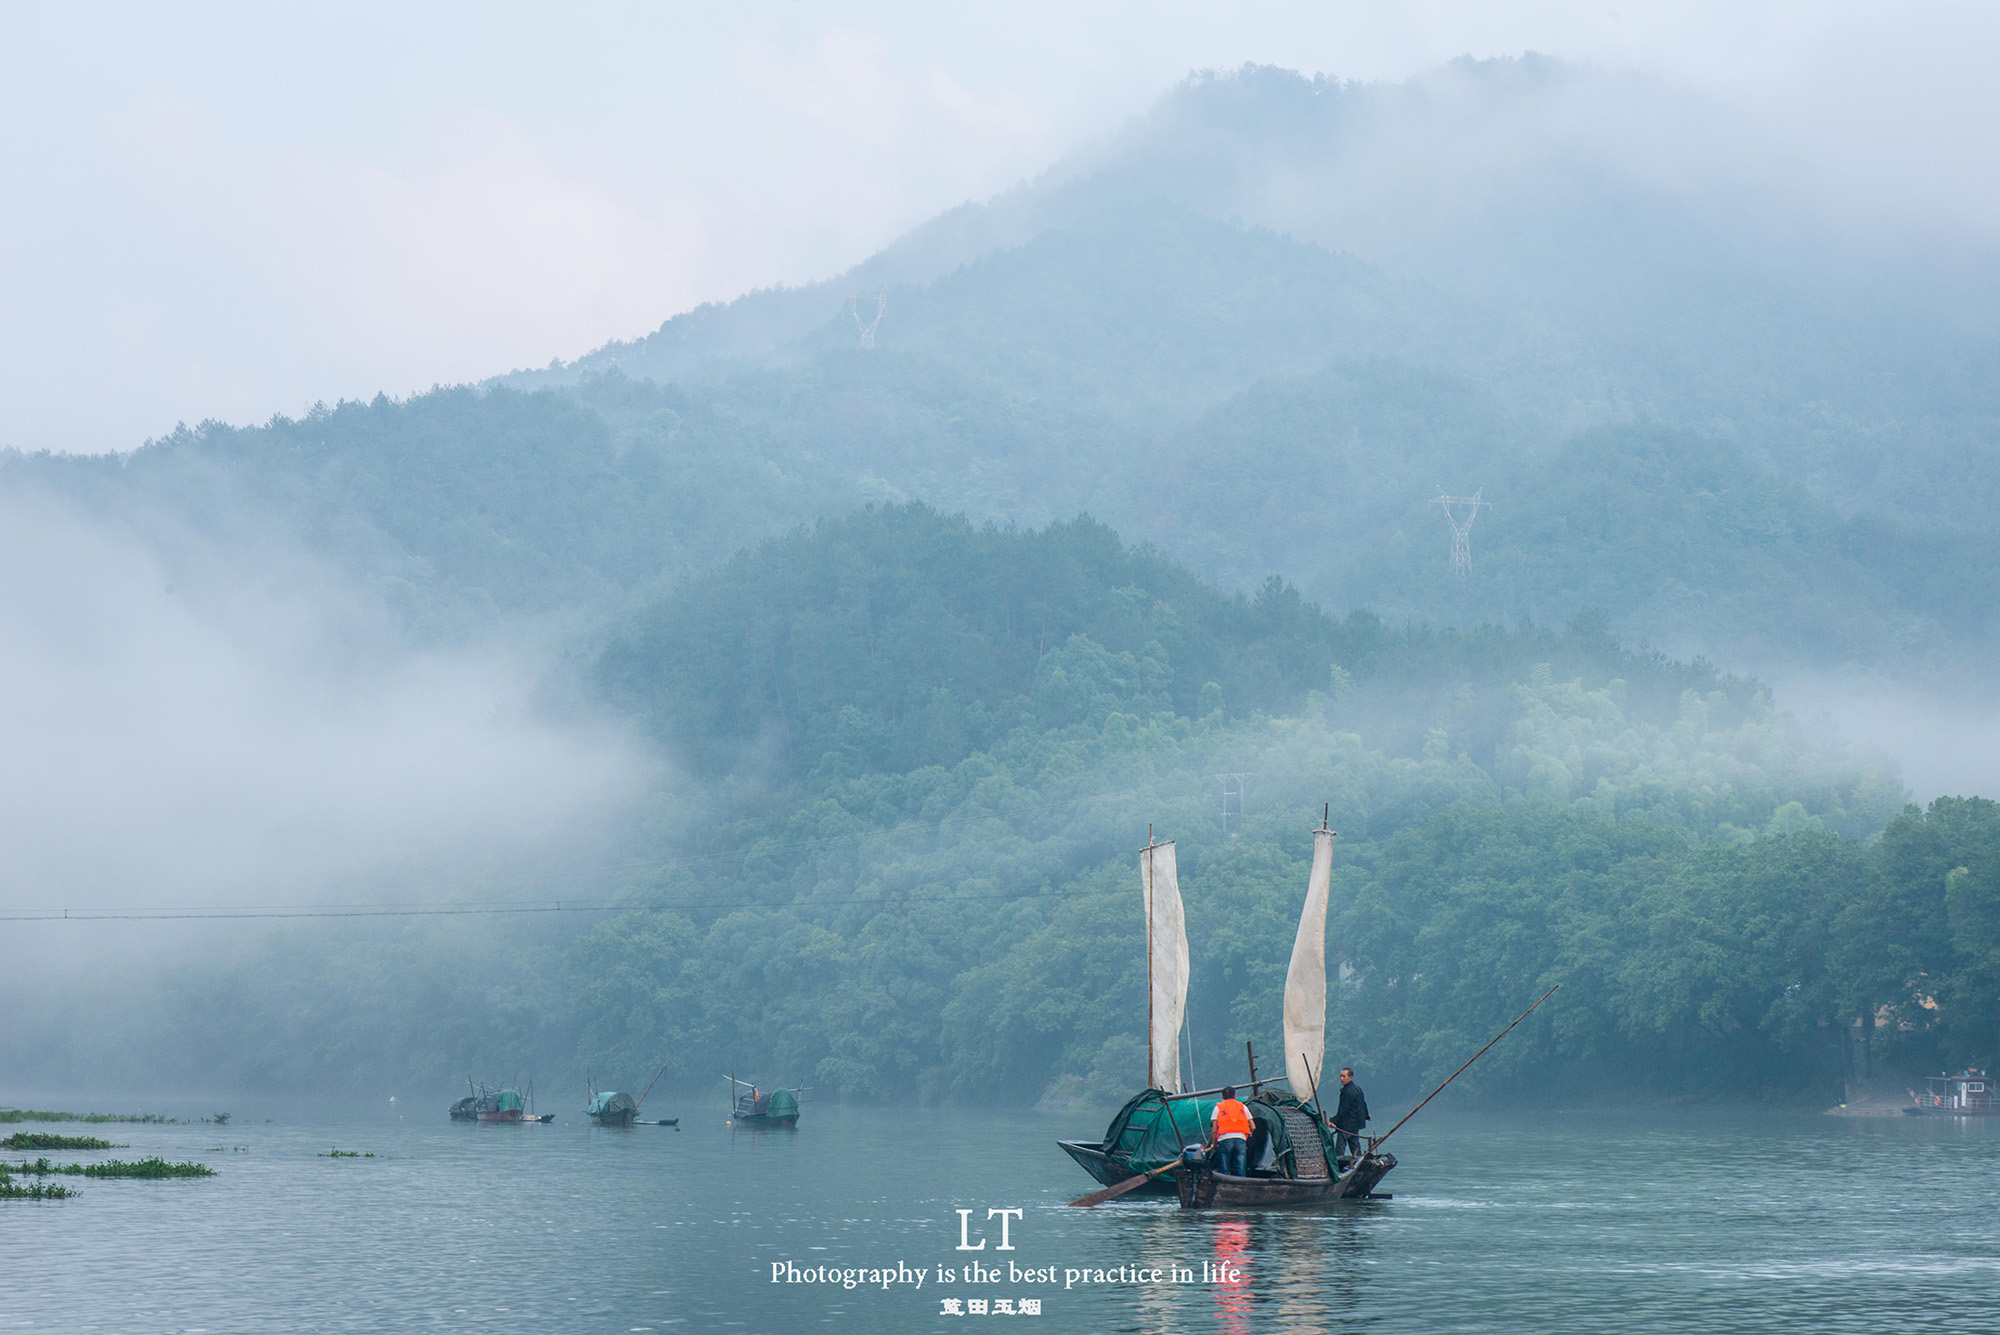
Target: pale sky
{"x": 236, "y": 210}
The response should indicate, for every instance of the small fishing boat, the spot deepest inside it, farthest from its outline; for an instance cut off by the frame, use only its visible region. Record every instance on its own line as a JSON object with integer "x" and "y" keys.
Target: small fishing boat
{"x": 1291, "y": 1147}
{"x": 611, "y": 1108}
{"x": 1291, "y": 1157}
{"x": 754, "y": 1108}
{"x": 507, "y": 1106}
{"x": 486, "y": 1104}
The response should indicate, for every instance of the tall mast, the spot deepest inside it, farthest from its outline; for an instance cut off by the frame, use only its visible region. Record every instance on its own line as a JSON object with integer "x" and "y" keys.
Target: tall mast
{"x": 1149, "y": 953}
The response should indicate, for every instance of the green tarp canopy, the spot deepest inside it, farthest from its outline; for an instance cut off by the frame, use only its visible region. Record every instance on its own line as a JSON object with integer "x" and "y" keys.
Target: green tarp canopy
{"x": 612, "y": 1104}
{"x": 1152, "y": 1129}
{"x": 782, "y": 1104}
{"x": 510, "y": 1100}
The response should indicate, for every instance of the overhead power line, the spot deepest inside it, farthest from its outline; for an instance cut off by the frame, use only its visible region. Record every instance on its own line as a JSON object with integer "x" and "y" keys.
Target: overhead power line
{"x": 552, "y": 906}
{"x": 631, "y": 868}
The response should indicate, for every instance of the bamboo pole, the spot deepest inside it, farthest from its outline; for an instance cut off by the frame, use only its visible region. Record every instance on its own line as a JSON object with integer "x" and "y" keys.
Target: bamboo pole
{"x": 1374, "y": 1144}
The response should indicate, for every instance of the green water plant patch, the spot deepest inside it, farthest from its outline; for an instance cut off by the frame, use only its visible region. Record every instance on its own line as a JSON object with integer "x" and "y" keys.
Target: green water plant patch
{"x": 42, "y": 1115}
{"x": 142, "y": 1168}
{"x": 10, "y": 1190}
{"x": 347, "y": 1154}
{"x": 43, "y": 1140}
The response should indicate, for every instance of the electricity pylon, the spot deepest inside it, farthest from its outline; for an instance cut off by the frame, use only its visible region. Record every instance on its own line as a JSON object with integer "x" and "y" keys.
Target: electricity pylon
{"x": 866, "y": 324}
{"x": 1461, "y": 529}
{"x": 1232, "y": 801}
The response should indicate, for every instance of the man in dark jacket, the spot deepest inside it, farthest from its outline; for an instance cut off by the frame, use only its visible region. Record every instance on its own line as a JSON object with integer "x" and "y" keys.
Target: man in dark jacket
{"x": 1349, "y": 1117}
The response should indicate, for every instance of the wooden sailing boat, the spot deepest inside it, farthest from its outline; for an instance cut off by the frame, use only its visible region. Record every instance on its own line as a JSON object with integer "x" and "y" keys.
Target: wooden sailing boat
{"x": 1162, "y": 1129}
{"x": 1291, "y": 1150}
{"x": 1310, "y": 1172}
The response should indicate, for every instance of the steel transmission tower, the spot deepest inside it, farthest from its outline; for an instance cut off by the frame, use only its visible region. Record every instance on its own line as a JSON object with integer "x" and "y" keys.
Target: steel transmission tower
{"x": 856, "y": 304}
{"x": 1232, "y": 801}
{"x": 1459, "y": 512}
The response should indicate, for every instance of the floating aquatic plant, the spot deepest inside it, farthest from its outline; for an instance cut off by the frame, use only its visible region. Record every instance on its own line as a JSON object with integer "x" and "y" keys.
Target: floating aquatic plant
{"x": 347, "y": 1154}
{"x": 149, "y": 1168}
{"x": 42, "y": 1140}
{"x": 11, "y": 1190}
{"x": 34, "y": 1115}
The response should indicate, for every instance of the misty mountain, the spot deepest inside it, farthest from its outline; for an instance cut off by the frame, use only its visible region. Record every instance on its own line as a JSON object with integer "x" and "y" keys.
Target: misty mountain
{"x": 1259, "y": 328}
{"x": 1593, "y": 245}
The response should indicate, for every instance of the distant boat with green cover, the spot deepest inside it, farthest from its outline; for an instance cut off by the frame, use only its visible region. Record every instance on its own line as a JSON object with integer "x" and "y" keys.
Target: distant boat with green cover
{"x": 751, "y": 1107}
{"x": 486, "y": 1104}
{"x": 610, "y": 1107}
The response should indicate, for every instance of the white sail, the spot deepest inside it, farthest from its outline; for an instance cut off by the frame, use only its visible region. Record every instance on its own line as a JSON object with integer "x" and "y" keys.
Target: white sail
{"x": 1167, "y": 966}
{"x": 1305, "y": 982}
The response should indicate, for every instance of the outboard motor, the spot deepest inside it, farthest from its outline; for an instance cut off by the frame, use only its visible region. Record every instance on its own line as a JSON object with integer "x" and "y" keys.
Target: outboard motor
{"x": 1195, "y": 1183}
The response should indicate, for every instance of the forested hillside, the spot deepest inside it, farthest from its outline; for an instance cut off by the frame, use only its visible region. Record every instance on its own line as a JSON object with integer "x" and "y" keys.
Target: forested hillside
{"x": 1725, "y": 448}
{"x": 928, "y": 750}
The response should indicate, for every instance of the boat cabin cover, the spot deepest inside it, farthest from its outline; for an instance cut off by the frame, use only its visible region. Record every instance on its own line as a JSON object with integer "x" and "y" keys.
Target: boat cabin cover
{"x": 1152, "y": 1129}
{"x": 611, "y": 1105}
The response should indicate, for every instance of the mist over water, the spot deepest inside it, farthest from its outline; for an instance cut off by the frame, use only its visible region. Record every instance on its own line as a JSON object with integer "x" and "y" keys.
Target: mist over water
{"x": 246, "y": 727}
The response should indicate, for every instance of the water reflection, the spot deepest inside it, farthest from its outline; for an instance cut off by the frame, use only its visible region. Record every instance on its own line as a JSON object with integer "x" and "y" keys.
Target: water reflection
{"x": 1233, "y": 1293}
{"x": 1162, "y": 1244}
{"x": 1278, "y": 1270}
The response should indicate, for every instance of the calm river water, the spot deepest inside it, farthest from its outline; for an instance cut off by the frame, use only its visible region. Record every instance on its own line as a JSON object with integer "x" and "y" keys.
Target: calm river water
{"x": 1569, "y": 1222}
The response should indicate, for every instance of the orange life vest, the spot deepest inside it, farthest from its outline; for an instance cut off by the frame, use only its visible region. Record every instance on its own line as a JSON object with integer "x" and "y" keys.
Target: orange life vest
{"x": 1231, "y": 1118}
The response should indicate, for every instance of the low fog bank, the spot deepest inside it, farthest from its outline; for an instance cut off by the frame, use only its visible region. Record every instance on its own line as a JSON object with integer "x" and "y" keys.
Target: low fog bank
{"x": 1944, "y": 743}
{"x": 192, "y": 729}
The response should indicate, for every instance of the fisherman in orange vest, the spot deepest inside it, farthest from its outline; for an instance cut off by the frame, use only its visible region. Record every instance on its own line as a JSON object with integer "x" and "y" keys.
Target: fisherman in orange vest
{"x": 1229, "y": 1134}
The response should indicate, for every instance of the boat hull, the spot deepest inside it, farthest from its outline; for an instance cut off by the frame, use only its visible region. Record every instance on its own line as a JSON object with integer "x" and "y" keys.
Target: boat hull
{"x": 1951, "y": 1112}
{"x": 1109, "y": 1172}
{"x": 1202, "y": 1188}
{"x": 508, "y": 1115}
{"x": 766, "y": 1120}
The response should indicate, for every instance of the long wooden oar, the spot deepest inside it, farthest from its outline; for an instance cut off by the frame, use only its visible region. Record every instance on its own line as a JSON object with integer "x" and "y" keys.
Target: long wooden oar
{"x": 1375, "y": 1143}
{"x": 1129, "y": 1184}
